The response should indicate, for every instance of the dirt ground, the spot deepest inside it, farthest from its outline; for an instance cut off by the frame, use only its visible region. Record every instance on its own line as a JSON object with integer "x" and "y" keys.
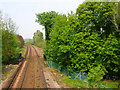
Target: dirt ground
{"x": 7, "y": 72}
{"x": 55, "y": 75}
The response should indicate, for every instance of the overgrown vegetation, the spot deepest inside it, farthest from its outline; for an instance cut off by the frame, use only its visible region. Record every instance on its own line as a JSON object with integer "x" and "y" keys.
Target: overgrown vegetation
{"x": 22, "y": 50}
{"x": 10, "y": 42}
{"x": 46, "y": 19}
{"x": 86, "y": 40}
{"x": 73, "y": 83}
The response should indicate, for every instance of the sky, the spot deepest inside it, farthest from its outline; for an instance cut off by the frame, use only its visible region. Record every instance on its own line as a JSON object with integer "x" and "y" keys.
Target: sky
{"x": 23, "y": 12}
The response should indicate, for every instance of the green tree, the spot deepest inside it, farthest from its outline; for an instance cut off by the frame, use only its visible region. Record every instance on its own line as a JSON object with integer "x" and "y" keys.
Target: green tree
{"x": 38, "y": 36}
{"x": 95, "y": 75}
{"x": 0, "y": 43}
{"x": 47, "y": 20}
{"x": 38, "y": 39}
{"x": 58, "y": 48}
{"x": 77, "y": 42}
{"x": 116, "y": 19}
{"x": 97, "y": 16}
{"x": 10, "y": 42}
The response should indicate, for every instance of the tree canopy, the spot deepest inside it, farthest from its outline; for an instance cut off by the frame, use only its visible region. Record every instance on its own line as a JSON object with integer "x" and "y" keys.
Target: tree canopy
{"x": 46, "y": 19}
{"x": 86, "y": 40}
{"x": 38, "y": 39}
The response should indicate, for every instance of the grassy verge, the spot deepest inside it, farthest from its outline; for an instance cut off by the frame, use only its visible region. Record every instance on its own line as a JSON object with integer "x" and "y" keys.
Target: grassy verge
{"x": 109, "y": 84}
{"x": 73, "y": 83}
{"x": 41, "y": 44}
{"x": 62, "y": 80}
{"x": 22, "y": 50}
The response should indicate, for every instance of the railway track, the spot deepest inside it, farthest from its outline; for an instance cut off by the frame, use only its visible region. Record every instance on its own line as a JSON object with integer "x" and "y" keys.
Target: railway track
{"x": 44, "y": 85}
{"x": 25, "y": 71}
{"x": 30, "y": 73}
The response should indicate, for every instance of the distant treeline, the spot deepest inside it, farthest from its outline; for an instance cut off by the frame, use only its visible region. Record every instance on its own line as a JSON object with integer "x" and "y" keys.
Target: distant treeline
{"x": 28, "y": 40}
{"x": 38, "y": 40}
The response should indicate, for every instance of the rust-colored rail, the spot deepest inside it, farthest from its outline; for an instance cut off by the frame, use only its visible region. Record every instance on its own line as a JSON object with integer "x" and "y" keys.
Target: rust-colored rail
{"x": 41, "y": 69}
{"x": 13, "y": 77}
{"x": 25, "y": 70}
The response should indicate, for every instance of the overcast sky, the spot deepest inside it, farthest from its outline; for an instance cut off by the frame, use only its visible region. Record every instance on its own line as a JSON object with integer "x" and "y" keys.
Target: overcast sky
{"x": 23, "y": 12}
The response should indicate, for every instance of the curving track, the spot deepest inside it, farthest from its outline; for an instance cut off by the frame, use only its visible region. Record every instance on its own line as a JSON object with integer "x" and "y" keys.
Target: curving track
{"x": 30, "y": 73}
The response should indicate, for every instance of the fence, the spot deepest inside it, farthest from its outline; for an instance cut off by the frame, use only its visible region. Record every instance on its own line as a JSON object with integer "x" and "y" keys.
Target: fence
{"x": 64, "y": 70}
{"x": 73, "y": 75}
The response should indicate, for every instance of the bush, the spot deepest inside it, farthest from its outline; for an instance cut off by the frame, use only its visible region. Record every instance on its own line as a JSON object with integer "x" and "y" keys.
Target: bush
{"x": 83, "y": 50}
{"x": 77, "y": 42}
{"x": 10, "y": 42}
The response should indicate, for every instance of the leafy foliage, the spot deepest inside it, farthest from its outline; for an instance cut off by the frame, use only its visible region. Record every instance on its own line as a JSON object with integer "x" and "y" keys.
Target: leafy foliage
{"x": 0, "y": 41}
{"x": 10, "y": 42}
{"x": 95, "y": 75}
{"x": 38, "y": 39}
{"x": 46, "y": 19}
{"x": 86, "y": 40}
{"x": 97, "y": 15}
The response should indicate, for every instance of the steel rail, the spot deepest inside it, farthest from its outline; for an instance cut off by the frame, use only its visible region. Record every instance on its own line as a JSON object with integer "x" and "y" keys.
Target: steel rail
{"x": 16, "y": 73}
{"x": 42, "y": 74}
{"x": 34, "y": 74}
{"x": 25, "y": 69}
